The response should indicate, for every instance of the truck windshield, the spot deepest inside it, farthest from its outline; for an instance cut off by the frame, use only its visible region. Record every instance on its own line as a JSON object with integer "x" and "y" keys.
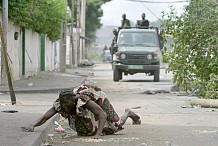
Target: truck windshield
{"x": 148, "y": 39}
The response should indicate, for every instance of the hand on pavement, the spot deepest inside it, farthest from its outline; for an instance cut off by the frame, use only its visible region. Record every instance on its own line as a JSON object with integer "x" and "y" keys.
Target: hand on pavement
{"x": 27, "y": 128}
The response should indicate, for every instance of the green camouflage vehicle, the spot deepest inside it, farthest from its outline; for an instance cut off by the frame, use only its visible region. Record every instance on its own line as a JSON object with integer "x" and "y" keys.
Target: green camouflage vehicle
{"x": 138, "y": 50}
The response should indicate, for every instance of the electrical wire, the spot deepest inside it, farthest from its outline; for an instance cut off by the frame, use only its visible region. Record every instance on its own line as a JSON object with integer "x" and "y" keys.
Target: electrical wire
{"x": 151, "y": 12}
{"x": 144, "y": 1}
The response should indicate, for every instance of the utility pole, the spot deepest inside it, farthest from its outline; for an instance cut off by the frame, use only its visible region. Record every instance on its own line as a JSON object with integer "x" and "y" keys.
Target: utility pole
{"x": 83, "y": 28}
{"x": 78, "y": 29}
{"x": 63, "y": 45}
{"x": 74, "y": 49}
{"x": 5, "y": 70}
{"x": 72, "y": 35}
{"x": 5, "y": 31}
{"x": 63, "y": 48}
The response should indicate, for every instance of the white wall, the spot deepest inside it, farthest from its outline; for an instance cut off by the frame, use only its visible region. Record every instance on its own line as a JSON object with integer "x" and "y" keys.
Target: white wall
{"x": 32, "y": 53}
{"x": 55, "y": 56}
{"x": 14, "y": 51}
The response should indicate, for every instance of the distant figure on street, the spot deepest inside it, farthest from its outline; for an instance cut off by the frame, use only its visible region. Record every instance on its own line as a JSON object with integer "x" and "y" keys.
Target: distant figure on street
{"x": 89, "y": 112}
{"x": 143, "y": 21}
{"x": 125, "y": 22}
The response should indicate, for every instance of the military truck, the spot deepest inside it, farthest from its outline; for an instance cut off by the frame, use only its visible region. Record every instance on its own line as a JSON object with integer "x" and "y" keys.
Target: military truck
{"x": 137, "y": 50}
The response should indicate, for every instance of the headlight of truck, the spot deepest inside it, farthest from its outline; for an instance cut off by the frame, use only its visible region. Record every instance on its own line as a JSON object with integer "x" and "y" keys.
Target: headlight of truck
{"x": 123, "y": 56}
{"x": 149, "y": 56}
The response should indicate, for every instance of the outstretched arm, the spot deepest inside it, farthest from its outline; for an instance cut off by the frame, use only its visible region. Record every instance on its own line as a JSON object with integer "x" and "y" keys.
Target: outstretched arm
{"x": 98, "y": 112}
{"x": 51, "y": 112}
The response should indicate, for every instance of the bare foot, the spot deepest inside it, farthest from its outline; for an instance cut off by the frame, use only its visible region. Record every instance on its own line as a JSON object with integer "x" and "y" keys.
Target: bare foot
{"x": 135, "y": 118}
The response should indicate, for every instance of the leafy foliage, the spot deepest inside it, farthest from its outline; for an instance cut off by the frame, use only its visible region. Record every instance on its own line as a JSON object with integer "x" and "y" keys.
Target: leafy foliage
{"x": 43, "y": 16}
{"x": 194, "y": 58}
{"x": 93, "y": 14}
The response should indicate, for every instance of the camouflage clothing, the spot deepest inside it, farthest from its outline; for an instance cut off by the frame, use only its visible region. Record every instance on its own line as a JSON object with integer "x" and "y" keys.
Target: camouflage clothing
{"x": 143, "y": 23}
{"x": 125, "y": 23}
{"x": 84, "y": 122}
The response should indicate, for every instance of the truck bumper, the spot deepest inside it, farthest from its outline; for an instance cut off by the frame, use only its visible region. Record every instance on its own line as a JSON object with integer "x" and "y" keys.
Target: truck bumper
{"x": 137, "y": 68}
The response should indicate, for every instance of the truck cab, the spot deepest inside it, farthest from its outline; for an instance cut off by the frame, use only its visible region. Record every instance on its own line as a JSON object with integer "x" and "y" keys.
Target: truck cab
{"x": 138, "y": 50}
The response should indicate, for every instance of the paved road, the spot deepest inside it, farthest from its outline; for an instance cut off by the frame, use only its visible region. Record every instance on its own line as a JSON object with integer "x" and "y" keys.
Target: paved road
{"x": 167, "y": 119}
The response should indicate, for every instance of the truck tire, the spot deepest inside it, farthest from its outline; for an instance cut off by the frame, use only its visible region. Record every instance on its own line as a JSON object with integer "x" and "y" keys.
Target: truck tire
{"x": 156, "y": 75}
{"x": 116, "y": 75}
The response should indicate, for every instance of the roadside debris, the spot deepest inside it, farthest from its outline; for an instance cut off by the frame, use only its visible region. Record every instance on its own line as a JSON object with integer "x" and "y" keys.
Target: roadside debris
{"x": 153, "y": 92}
{"x": 10, "y": 111}
{"x": 137, "y": 107}
{"x": 144, "y": 144}
{"x": 30, "y": 84}
{"x": 211, "y": 110}
{"x": 59, "y": 128}
{"x": 205, "y": 103}
{"x": 85, "y": 63}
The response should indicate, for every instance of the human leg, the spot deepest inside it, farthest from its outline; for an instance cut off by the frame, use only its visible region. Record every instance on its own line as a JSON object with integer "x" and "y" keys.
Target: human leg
{"x": 129, "y": 114}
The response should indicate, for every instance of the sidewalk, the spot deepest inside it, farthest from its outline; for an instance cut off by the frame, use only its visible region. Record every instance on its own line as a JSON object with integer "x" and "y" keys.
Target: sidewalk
{"x": 49, "y": 81}
{"x": 32, "y": 105}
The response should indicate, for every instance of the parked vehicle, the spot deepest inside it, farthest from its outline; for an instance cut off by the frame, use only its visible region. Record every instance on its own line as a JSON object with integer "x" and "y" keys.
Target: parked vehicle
{"x": 106, "y": 56}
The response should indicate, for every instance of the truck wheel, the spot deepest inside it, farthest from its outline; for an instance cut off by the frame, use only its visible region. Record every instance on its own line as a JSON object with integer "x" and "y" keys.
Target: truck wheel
{"x": 116, "y": 75}
{"x": 156, "y": 75}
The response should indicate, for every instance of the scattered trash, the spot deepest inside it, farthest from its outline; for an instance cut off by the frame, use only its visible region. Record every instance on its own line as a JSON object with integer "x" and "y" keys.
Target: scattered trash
{"x": 168, "y": 143}
{"x": 56, "y": 123}
{"x": 3, "y": 104}
{"x": 137, "y": 107}
{"x": 50, "y": 136}
{"x": 10, "y": 111}
{"x": 183, "y": 106}
{"x": 197, "y": 106}
{"x": 182, "y": 94}
{"x": 152, "y": 92}
{"x": 30, "y": 84}
{"x": 59, "y": 128}
{"x": 85, "y": 63}
{"x": 91, "y": 73}
{"x": 210, "y": 110}
{"x": 46, "y": 145}
{"x": 143, "y": 144}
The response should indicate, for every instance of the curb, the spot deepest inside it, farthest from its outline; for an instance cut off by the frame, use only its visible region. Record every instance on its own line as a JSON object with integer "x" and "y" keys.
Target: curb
{"x": 43, "y": 135}
{"x": 38, "y": 91}
{"x": 207, "y": 103}
{"x": 38, "y": 138}
{"x": 48, "y": 90}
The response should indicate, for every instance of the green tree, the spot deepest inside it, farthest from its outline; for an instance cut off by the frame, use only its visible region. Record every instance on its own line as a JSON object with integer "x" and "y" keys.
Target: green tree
{"x": 194, "y": 58}
{"x": 93, "y": 14}
{"x": 43, "y": 16}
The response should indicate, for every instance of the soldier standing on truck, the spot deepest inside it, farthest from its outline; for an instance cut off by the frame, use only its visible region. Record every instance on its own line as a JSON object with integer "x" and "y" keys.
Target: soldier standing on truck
{"x": 143, "y": 22}
{"x": 114, "y": 41}
{"x": 125, "y": 22}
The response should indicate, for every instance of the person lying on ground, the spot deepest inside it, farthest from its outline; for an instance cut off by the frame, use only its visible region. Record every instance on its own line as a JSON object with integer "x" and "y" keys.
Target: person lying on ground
{"x": 89, "y": 112}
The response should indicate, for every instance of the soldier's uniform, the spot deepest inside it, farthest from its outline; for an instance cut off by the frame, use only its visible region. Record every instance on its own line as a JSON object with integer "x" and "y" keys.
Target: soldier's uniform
{"x": 143, "y": 23}
{"x": 125, "y": 23}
